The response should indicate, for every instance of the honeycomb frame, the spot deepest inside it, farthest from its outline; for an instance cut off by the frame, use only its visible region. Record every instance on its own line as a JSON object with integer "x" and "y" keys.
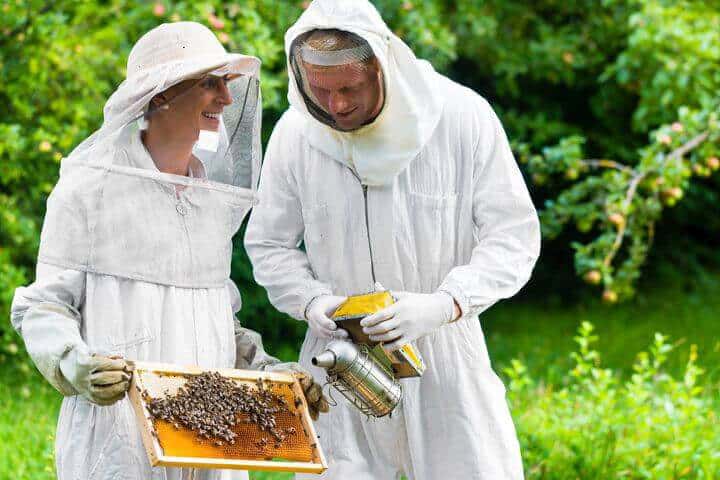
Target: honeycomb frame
{"x": 169, "y": 446}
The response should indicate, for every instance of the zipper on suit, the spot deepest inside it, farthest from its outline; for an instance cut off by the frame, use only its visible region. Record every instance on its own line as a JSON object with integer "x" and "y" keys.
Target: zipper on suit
{"x": 367, "y": 223}
{"x": 367, "y": 229}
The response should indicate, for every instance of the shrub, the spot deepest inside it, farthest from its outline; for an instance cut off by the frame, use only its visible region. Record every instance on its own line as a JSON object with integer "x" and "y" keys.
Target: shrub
{"x": 599, "y": 426}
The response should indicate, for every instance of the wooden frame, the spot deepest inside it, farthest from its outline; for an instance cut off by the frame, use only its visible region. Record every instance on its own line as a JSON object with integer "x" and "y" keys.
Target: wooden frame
{"x": 155, "y": 450}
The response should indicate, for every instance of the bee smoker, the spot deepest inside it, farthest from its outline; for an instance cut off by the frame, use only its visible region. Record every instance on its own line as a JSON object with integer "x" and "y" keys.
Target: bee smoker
{"x": 361, "y": 378}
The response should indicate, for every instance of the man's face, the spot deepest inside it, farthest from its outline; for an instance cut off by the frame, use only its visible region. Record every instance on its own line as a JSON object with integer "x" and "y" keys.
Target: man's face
{"x": 195, "y": 105}
{"x": 352, "y": 94}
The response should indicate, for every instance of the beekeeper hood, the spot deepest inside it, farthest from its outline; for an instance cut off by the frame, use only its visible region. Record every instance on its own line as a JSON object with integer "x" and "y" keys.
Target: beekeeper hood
{"x": 115, "y": 212}
{"x": 409, "y": 105}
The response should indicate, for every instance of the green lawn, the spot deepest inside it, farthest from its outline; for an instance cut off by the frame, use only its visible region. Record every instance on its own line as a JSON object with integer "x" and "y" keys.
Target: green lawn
{"x": 539, "y": 334}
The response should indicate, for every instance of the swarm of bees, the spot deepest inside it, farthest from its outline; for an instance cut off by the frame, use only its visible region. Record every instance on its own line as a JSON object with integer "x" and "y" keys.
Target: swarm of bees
{"x": 210, "y": 405}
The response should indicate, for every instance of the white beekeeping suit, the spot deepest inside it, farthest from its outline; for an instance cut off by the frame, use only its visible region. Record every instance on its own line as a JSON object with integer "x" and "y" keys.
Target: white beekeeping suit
{"x": 426, "y": 198}
{"x": 134, "y": 262}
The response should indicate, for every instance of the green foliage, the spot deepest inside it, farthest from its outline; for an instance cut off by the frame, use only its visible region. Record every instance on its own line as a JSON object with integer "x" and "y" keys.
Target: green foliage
{"x": 652, "y": 425}
{"x": 593, "y": 424}
{"x": 671, "y": 65}
{"x": 633, "y": 81}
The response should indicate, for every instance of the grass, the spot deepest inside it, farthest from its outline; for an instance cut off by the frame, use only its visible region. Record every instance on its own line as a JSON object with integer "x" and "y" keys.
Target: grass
{"x": 540, "y": 334}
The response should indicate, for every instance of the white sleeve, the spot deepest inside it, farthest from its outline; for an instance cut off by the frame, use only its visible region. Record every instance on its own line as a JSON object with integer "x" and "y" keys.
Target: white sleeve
{"x": 47, "y": 316}
{"x": 506, "y": 224}
{"x": 276, "y": 229}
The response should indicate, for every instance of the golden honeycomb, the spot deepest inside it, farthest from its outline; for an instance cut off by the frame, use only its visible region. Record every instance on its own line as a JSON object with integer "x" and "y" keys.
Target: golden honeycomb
{"x": 251, "y": 442}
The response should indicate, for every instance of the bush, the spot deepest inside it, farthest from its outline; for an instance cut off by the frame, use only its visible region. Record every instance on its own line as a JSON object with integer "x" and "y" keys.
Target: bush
{"x": 599, "y": 426}
{"x": 574, "y": 81}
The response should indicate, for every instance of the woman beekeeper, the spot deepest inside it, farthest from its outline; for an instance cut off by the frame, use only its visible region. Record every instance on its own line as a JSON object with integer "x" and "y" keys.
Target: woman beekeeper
{"x": 134, "y": 257}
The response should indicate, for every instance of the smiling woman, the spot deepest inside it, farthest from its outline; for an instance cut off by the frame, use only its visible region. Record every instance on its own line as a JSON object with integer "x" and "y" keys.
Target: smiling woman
{"x": 181, "y": 114}
{"x": 135, "y": 251}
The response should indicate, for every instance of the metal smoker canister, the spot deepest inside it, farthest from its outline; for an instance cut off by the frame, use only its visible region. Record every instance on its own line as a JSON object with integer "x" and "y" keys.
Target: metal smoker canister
{"x": 364, "y": 381}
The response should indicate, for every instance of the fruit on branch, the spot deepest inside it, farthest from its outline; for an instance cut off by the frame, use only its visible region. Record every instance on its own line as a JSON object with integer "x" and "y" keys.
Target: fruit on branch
{"x": 617, "y": 219}
{"x": 670, "y": 196}
{"x": 713, "y": 163}
{"x": 592, "y": 277}
{"x": 609, "y": 296}
{"x": 701, "y": 170}
{"x": 677, "y": 127}
{"x": 571, "y": 174}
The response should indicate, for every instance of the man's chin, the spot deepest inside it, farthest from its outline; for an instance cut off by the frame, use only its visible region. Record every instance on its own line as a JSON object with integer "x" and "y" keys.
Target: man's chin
{"x": 347, "y": 125}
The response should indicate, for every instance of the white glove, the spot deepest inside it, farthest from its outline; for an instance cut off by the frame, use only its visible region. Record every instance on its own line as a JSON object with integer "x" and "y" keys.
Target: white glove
{"x": 412, "y": 316}
{"x": 102, "y": 380}
{"x": 318, "y": 314}
{"x": 317, "y": 402}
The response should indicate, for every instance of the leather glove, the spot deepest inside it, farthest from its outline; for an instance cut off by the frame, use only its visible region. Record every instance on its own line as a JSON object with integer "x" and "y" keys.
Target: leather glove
{"x": 318, "y": 314}
{"x": 412, "y": 316}
{"x": 317, "y": 402}
{"x": 102, "y": 380}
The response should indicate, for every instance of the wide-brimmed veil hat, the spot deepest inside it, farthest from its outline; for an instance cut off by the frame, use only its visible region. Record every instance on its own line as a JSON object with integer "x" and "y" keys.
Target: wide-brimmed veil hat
{"x": 113, "y": 212}
{"x": 167, "y": 55}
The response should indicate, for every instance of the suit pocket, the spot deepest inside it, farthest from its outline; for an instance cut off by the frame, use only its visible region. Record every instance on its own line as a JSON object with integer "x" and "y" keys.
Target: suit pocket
{"x": 430, "y": 228}
{"x": 317, "y": 222}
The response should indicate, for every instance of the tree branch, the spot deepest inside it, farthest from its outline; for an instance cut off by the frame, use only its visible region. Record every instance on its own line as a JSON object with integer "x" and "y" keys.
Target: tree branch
{"x": 632, "y": 189}
{"x": 605, "y": 163}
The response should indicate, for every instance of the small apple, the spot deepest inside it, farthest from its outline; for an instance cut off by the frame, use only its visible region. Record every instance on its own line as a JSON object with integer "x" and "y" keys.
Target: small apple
{"x": 609, "y": 296}
{"x": 571, "y": 174}
{"x": 713, "y": 163}
{"x": 592, "y": 277}
{"x": 676, "y": 192}
{"x": 617, "y": 219}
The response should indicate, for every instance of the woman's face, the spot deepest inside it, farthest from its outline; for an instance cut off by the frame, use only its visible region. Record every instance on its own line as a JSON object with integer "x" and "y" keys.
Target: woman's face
{"x": 193, "y": 105}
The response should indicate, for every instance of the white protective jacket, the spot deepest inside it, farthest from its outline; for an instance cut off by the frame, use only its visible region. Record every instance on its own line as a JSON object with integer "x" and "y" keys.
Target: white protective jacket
{"x": 67, "y": 308}
{"x": 136, "y": 262}
{"x": 446, "y": 210}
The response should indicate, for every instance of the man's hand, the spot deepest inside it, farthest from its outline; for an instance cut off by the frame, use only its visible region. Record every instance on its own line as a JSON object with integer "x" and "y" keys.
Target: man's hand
{"x": 318, "y": 316}
{"x": 317, "y": 403}
{"x": 102, "y": 380}
{"x": 412, "y": 316}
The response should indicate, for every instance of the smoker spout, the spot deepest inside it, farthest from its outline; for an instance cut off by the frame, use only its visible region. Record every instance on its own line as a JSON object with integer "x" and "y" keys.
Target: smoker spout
{"x": 325, "y": 360}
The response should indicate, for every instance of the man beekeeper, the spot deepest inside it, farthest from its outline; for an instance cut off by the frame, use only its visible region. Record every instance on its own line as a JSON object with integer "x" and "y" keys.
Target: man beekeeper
{"x": 134, "y": 257}
{"x": 389, "y": 172}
